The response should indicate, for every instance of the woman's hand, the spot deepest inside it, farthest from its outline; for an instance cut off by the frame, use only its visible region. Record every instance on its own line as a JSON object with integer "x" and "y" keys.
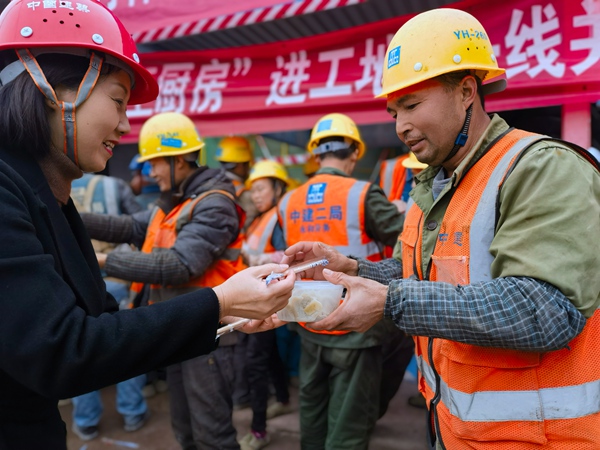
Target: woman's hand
{"x": 306, "y": 250}
{"x": 246, "y": 294}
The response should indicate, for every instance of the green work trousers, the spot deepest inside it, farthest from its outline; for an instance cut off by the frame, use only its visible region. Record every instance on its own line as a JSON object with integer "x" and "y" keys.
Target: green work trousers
{"x": 339, "y": 396}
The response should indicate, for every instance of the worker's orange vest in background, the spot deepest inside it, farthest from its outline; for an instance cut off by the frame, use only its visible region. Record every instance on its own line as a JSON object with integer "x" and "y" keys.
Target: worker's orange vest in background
{"x": 392, "y": 177}
{"x": 162, "y": 233}
{"x": 494, "y": 398}
{"x": 259, "y": 233}
{"x": 330, "y": 209}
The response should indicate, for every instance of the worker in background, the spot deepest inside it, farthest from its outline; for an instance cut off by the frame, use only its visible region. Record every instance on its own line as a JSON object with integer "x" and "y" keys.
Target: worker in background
{"x": 413, "y": 168}
{"x": 191, "y": 239}
{"x": 497, "y": 272}
{"x": 142, "y": 184}
{"x": 102, "y": 194}
{"x": 268, "y": 182}
{"x": 235, "y": 156}
{"x": 342, "y": 389}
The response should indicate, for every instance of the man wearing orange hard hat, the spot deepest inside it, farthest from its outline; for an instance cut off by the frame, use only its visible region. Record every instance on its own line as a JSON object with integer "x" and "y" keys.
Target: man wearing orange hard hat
{"x": 494, "y": 274}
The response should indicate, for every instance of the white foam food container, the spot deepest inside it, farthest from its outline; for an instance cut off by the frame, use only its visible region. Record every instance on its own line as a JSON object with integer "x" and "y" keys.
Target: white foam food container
{"x": 311, "y": 301}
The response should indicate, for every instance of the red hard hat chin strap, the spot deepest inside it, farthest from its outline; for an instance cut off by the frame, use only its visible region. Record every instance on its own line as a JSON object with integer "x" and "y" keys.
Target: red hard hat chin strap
{"x": 67, "y": 108}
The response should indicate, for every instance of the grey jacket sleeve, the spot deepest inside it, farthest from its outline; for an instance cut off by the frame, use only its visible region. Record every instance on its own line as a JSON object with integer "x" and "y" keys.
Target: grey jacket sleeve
{"x": 214, "y": 225}
{"x": 118, "y": 229}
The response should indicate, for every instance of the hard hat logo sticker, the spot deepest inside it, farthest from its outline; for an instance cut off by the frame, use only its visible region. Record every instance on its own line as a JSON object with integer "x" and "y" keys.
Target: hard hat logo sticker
{"x": 170, "y": 140}
{"x": 324, "y": 125}
{"x": 393, "y": 57}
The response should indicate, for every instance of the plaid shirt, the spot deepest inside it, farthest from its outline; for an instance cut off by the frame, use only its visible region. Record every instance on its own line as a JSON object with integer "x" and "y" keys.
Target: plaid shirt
{"x": 513, "y": 313}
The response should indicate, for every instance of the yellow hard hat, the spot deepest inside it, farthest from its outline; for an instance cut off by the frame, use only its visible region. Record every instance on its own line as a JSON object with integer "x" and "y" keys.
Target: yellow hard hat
{"x": 413, "y": 163}
{"x": 436, "y": 42}
{"x": 311, "y": 166}
{"x": 268, "y": 169}
{"x": 335, "y": 125}
{"x": 234, "y": 149}
{"x": 168, "y": 134}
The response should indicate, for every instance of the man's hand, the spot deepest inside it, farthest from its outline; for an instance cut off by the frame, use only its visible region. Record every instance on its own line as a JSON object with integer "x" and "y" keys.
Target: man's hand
{"x": 305, "y": 250}
{"x": 362, "y": 307}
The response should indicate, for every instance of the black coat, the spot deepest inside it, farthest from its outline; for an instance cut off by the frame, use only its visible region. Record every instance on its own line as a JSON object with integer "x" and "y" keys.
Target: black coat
{"x": 60, "y": 332}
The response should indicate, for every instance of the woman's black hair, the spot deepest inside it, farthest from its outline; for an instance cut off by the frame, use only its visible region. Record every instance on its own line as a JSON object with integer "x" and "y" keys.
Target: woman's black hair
{"x": 24, "y": 125}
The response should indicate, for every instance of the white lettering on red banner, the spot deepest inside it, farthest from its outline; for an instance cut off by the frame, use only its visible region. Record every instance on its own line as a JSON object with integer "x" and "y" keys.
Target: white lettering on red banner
{"x": 286, "y": 82}
{"x": 541, "y": 48}
{"x": 590, "y": 19}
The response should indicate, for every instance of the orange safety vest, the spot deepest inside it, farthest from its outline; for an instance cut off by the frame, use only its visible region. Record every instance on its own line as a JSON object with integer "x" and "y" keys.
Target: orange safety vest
{"x": 259, "y": 233}
{"x": 493, "y": 398}
{"x": 392, "y": 177}
{"x": 331, "y": 209}
{"x": 162, "y": 233}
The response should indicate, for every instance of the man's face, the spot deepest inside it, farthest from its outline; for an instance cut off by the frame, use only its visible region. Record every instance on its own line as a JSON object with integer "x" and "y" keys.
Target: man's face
{"x": 428, "y": 118}
{"x": 161, "y": 172}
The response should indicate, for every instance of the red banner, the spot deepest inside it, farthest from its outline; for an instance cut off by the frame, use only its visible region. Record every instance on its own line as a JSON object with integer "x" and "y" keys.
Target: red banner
{"x": 142, "y": 15}
{"x": 550, "y": 48}
{"x": 155, "y": 20}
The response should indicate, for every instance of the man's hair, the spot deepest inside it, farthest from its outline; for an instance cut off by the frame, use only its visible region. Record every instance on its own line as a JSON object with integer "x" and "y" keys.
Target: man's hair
{"x": 24, "y": 125}
{"x": 451, "y": 80}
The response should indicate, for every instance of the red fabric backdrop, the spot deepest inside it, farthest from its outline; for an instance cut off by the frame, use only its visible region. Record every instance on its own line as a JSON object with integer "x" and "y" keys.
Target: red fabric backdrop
{"x": 551, "y": 49}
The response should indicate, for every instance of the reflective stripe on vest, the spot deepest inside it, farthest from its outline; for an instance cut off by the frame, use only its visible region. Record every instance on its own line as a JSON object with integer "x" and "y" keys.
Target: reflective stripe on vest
{"x": 259, "y": 233}
{"x": 392, "y": 177}
{"x": 352, "y": 233}
{"x": 481, "y": 232}
{"x": 528, "y": 405}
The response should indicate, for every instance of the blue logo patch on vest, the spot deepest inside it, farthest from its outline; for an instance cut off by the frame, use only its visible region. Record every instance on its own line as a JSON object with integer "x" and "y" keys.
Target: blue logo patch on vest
{"x": 393, "y": 57}
{"x": 324, "y": 125}
{"x": 316, "y": 193}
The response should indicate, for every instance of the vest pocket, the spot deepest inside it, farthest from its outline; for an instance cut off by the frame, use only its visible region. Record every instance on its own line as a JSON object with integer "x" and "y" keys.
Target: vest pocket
{"x": 408, "y": 239}
{"x": 450, "y": 269}
{"x": 492, "y": 394}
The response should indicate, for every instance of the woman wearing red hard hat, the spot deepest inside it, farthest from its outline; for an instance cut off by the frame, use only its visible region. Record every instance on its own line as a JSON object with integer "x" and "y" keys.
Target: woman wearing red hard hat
{"x": 68, "y": 70}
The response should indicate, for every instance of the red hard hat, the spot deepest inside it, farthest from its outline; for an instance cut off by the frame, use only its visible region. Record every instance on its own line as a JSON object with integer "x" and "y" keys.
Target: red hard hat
{"x": 81, "y": 24}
